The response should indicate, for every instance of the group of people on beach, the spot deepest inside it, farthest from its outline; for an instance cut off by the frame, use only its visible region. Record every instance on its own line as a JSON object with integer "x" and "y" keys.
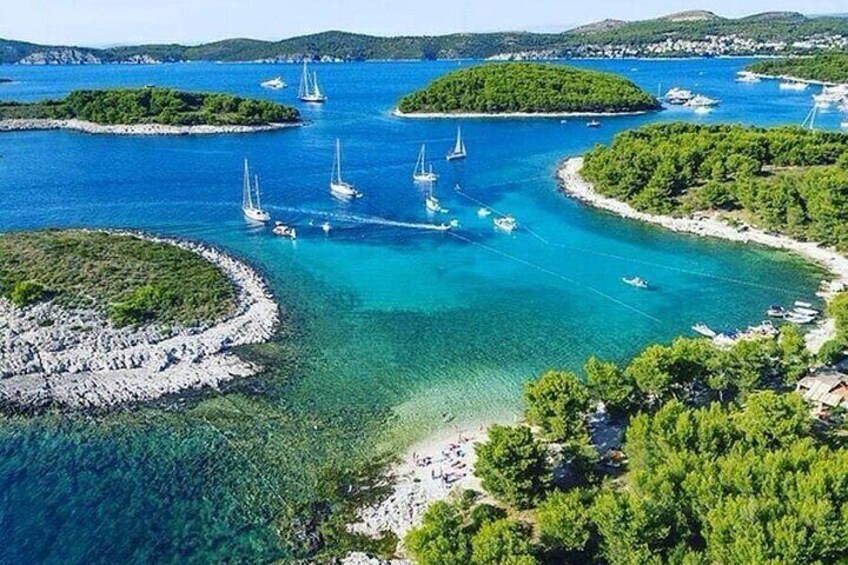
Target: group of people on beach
{"x": 451, "y": 466}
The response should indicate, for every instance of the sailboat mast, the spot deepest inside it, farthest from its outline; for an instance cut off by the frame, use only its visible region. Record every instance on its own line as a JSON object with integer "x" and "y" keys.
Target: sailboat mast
{"x": 315, "y": 90}
{"x": 304, "y": 88}
{"x": 258, "y": 205}
{"x": 245, "y": 193}
{"x": 337, "y": 168}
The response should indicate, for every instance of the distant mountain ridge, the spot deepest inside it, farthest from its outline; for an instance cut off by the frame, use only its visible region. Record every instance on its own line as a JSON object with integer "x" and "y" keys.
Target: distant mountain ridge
{"x": 682, "y": 33}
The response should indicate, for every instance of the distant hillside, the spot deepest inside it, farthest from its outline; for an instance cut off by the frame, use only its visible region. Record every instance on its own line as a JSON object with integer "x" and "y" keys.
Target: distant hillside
{"x": 695, "y": 32}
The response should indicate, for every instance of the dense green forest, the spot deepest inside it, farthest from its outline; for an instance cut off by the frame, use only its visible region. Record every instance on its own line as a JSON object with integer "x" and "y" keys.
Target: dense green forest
{"x": 776, "y": 26}
{"x": 825, "y": 67}
{"x": 132, "y": 280}
{"x": 498, "y": 88}
{"x": 720, "y": 464}
{"x": 787, "y": 179}
{"x": 153, "y": 106}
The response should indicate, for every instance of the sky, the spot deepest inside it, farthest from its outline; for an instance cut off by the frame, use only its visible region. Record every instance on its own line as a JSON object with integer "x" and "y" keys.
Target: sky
{"x": 127, "y": 22}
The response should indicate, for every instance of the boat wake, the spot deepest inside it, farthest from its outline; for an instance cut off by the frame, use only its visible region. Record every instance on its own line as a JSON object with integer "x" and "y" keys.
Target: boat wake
{"x": 363, "y": 219}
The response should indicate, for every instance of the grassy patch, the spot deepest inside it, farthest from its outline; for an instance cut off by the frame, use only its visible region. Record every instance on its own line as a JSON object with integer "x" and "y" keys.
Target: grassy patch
{"x": 132, "y": 280}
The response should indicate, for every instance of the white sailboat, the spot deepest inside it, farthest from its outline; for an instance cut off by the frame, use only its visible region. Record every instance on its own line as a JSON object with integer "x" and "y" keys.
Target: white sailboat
{"x": 421, "y": 173}
{"x": 432, "y": 203}
{"x": 458, "y": 151}
{"x": 251, "y": 209}
{"x": 309, "y": 91}
{"x": 337, "y": 185}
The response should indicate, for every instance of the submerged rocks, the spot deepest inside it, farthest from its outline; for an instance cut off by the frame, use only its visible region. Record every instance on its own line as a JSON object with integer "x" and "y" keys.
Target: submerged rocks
{"x": 50, "y": 354}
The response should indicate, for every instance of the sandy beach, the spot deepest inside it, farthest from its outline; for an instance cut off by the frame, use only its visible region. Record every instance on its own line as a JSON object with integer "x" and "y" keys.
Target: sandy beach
{"x": 430, "y": 470}
{"x": 710, "y": 225}
{"x": 51, "y": 355}
{"x": 135, "y": 129}
{"x": 517, "y": 115}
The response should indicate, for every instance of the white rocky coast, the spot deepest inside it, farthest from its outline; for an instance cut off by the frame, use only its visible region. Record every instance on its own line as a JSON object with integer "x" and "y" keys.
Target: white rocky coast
{"x": 50, "y": 355}
{"x": 514, "y": 115}
{"x": 707, "y": 225}
{"x": 134, "y": 129}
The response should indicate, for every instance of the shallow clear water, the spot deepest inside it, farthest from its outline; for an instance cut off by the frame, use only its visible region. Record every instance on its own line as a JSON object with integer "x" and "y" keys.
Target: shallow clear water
{"x": 395, "y": 324}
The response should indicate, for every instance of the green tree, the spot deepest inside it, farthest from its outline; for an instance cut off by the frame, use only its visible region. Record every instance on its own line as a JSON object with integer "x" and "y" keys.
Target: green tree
{"x": 26, "y": 293}
{"x": 512, "y": 465}
{"x": 772, "y": 420}
{"x": 503, "y": 542}
{"x": 440, "y": 539}
{"x": 563, "y": 521}
{"x": 615, "y": 388}
{"x": 557, "y": 402}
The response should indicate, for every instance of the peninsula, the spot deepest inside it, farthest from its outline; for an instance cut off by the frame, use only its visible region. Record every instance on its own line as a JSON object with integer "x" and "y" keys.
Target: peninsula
{"x": 148, "y": 111}
{"x": 824, "y": 68}
{"x": 779, "y": 187}
{"x": 526, "y": 89}
{"x": 95, "y": 319}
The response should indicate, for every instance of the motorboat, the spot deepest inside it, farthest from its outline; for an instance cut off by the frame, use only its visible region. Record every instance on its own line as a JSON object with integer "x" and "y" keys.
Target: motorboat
{"x": 275, "y": 83}
{"x": 326, "y": 227}
{"x": 793, "y": 85}
{"x": 776, "y": 311}
{"x": 484, "y": 212}
{"x": 505, "y": 223}
{"x": 251, "y": 206}
{"x": 637, "y": 282}
{"x": 704, "y": 330}
{"x": 593, "y": 124}
{"x": 337, "y": 185}
{"x": 701, "y": 101}
{"x": 797, "y": 318}
{"x": 678, "y": 96}
{"x": 432, "y": 204}
{"x": 283, "y": 230}
{"x": 747, "y": 77}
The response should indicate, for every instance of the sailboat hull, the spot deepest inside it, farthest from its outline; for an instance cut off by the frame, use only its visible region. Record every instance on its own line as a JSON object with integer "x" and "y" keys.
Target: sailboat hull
{"x": 455, "y": 156}
{"x": 344, "y": 189}
{"x": 256, "y": 215}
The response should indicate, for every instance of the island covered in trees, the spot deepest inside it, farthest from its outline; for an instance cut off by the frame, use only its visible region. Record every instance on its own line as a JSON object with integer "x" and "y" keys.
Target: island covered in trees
{"x": 787, "y": 179}
{"x": 824, "y": 67}
{"x": 527, "y": 88}
{"x": 159, "y": 106}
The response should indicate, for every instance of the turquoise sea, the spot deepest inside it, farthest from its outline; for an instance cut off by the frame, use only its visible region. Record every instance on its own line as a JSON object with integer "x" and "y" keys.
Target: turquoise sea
{"x": 389, "y": 326}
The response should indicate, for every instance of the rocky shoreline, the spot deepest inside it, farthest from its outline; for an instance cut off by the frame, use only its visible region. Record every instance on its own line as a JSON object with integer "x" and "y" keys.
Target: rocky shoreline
{"x": 709, "y": 225}
{"x": 75, "y": 358}
{"x": 134, "y": 129}
{"x": 516, "y": 115}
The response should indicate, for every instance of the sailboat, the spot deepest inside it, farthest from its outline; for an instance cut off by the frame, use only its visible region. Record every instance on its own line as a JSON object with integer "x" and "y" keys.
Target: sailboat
{"x": 337, "y": 185}
{"x": 432, "y": 203}
{"x": 309, "y": 91}
{"x": 252, "y": 210}
{"x": 458, "y": 151}
{"x": 421, "y": 174}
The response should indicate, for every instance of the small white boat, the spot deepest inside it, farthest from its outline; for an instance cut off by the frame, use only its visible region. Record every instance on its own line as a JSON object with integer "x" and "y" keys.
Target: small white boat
{"x": 747, "y": 77}
{"x": 309, "y": 91}
{"x": 458, "y": 151}
{"x": 421, "y": 173}
{"x": 484, "y": 212}
{"x": 776, "y": 311}
{"x": 799, "y": 319}
{"x": 806, "y": 311}
{"x": 505, "y": 223}
{"x": 593, "y": 124}
{"x": 637, "y": 282}
{"x": 326, "y": 227}
{"x": 678, "y": 96}
{"x": 802, "y": 304}
{"x": 251, "y": 205}
{"x": 793, "y": 85}
{"x": 704, "y": 330}
{"x": 432, "y": 204}
{"x": 338, "y": 186}
{"x": 701, "y": 101}
{"x": 283, "y": 230}
{"x": 275, "y": 83}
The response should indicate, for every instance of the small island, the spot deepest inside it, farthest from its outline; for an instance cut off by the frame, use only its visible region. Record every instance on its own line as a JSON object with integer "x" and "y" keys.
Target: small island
{"x": 828, "y": 68}
{"x": 526, "y": 89}
{"x": 152, "y": 111}
{"x": 95, "y": 318}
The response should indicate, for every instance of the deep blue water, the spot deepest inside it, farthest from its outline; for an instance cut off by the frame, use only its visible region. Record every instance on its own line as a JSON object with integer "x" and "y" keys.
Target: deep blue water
{"x": 396, "y": 324}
